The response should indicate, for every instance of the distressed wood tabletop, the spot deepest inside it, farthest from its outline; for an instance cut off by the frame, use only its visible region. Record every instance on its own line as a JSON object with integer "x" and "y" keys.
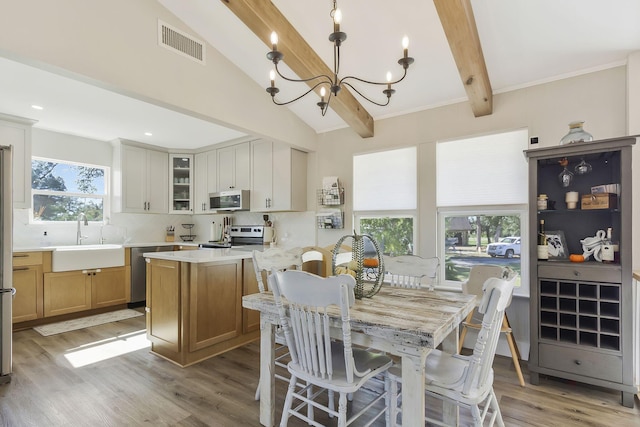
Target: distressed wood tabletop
{"x": 413, "y": 317}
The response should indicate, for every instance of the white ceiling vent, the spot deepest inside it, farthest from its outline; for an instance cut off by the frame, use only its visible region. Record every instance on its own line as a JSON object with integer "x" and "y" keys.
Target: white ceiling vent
{"x": 181, "y": 43}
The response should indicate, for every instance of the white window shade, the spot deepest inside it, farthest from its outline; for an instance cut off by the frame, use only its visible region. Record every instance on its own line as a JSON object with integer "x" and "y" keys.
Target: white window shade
{"x": 486, "y": 170}
{"x": 386, "y": 180}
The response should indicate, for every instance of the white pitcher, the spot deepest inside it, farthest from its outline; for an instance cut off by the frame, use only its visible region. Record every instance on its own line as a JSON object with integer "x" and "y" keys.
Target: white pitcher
{"x": 269, "y": 235}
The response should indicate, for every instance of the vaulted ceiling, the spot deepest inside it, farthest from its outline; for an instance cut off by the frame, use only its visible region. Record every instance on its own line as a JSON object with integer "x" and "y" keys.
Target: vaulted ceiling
{"x": 263, "y": 17}
{"x": 465, "y": 51}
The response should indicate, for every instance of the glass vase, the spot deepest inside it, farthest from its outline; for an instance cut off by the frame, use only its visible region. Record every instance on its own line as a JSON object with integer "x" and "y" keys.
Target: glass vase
{"x": 576, "y": 134}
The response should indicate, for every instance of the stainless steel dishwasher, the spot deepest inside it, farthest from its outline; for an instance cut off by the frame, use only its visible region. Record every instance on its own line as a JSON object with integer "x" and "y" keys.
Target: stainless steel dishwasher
{"x": 139, "y": 272}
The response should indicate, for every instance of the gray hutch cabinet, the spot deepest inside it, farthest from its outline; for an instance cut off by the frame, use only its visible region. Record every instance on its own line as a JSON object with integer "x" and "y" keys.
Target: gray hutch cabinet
{"x": 582, "y": 314}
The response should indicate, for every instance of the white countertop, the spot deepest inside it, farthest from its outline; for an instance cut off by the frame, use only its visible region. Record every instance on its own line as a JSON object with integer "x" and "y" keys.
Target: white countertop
{"x": 201, "y": 255}
{"x": 17, "y": 248}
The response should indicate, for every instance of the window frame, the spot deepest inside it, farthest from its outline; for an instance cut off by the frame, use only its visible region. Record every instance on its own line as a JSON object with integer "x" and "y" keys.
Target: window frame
{"x": 106, "y": 197}
{"x": 522, "y": 210}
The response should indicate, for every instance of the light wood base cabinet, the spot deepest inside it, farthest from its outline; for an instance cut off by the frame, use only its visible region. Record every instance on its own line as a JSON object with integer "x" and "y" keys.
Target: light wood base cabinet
{"x": 66, "y": 292}
{"x": 194, "y": 310}
{"x": 79, "y": 290}
{"x": 27, "y": 280}
{"x": 111, "y": 286}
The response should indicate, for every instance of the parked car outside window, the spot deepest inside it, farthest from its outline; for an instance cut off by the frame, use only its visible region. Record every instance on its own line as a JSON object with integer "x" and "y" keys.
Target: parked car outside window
{"x": 507, "y": 247}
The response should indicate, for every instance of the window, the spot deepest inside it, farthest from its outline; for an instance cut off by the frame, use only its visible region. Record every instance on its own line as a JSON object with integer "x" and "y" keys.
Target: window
{"x": 62, "y": 190}
{"x": 481, "y": 236}
{"x": 385, "y": 198}
{"x": 482, "y": 205}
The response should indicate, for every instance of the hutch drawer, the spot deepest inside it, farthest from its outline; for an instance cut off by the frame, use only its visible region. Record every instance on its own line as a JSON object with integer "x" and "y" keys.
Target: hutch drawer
{"x": 581, "y": 272}
{"x": 581, "y": 362}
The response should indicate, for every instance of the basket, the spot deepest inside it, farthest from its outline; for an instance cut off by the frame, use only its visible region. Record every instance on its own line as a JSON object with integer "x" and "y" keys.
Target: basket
{"x": 368, "y": 277}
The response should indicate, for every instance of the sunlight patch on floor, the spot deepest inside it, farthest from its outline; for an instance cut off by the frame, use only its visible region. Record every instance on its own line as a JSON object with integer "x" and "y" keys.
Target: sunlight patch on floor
{"x": 106, "y": 349}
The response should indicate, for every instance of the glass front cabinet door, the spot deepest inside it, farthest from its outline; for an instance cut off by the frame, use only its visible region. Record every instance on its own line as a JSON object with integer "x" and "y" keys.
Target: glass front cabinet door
{"x": 181, "y": 183}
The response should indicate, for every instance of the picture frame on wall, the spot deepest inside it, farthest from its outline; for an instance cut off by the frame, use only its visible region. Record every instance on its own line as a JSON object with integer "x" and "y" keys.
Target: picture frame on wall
{"x": 557, "y": 245}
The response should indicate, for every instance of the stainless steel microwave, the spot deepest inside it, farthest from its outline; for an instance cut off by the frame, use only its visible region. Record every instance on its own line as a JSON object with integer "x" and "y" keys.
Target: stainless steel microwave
{"x": 231, "y": 200}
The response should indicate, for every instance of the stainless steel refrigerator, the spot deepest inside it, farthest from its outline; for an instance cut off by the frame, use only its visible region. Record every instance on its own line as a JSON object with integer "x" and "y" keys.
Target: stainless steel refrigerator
{"x": 6, "y": 270}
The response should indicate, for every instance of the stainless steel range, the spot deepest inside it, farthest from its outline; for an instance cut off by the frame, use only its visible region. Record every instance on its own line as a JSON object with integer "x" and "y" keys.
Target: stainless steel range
{"x": 241, "y": 235}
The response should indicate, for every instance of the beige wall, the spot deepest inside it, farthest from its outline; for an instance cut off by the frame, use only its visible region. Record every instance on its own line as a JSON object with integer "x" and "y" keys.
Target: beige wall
{"x": 598, "y": 98}
{"x": 113, "y": 44}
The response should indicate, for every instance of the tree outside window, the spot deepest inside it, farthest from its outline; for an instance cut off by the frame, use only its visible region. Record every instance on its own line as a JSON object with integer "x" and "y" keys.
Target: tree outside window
{"x": 63, "y": 190}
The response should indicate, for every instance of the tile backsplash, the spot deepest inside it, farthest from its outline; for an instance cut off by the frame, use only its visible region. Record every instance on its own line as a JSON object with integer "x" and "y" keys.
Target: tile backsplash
{"x": 293, "y": 228}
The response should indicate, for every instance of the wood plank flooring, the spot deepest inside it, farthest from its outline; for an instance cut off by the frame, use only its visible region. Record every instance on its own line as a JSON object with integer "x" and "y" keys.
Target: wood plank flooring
{"x": 136, "y": 388}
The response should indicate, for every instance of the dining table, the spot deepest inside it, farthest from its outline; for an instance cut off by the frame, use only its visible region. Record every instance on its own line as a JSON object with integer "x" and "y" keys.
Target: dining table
{"x": 407, "y": 323}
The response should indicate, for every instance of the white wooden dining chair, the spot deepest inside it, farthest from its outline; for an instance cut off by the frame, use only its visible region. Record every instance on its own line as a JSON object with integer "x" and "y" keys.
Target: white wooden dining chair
{"x": 317, "y": 260}
{"x": 466, "y": 381}
{"x": 327, "y": 364}
{"x": 266, "y": 261}
{"x": 411, "y": 271}
{"x": 473, "y": 286}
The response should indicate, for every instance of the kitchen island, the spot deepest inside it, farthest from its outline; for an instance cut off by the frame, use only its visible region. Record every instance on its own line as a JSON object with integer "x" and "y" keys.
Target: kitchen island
{"x": 194, "y": 303}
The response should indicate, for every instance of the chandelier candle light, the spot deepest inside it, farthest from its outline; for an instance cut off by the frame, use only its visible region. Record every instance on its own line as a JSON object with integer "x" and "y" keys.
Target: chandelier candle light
{"x": 333, "y": 83}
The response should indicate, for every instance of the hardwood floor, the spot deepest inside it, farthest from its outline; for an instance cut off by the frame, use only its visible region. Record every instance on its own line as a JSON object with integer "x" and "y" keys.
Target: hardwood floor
{"x": 105, "y": 376}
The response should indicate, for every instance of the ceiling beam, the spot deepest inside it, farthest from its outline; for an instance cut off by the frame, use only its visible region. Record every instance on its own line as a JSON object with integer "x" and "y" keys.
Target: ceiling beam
{"x": 460, "y": 28}
{"x": 262, "y": 17}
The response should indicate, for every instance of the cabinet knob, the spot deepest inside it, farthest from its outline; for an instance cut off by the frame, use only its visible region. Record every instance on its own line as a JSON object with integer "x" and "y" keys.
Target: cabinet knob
{"x": 576, "y": 273}
{"x": 577, "y": 362}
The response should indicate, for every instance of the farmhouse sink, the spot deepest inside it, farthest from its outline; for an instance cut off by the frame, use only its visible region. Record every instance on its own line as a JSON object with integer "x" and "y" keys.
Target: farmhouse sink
{"x": 84, "y": 257}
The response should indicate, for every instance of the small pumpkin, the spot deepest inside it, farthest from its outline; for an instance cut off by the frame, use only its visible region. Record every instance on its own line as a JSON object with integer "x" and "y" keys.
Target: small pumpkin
{"x": 576, "y": 258}
{"x": 370, "y": 262}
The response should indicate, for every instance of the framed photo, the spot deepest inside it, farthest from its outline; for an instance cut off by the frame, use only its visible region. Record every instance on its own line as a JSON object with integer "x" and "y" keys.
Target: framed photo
{"x": 557, "y": 245}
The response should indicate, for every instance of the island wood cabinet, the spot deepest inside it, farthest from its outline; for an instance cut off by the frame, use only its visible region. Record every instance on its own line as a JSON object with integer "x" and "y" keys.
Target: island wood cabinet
{"x": 28, "y": 282}
{"x": 581, "y": 314}
{"x": 79, "y": 290}
{"x": 17, "y": 133}
{"x": 234, "y": 167}
{"x": 250, "y": 318}
{"x": 206, "y": 180}
{"x": 279, "y": 179}
{"x": 141, "y": 179}
{"x": 194, "y": 310}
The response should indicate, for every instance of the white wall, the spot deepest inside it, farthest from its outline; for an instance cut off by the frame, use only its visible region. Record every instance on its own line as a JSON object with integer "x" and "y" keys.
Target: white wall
{"x": 55, "y": 145}
{"x": 113, "y": 44}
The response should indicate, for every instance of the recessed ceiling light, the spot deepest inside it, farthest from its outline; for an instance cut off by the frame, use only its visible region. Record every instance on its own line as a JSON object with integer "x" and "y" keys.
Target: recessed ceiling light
{"x": 37, "y": 107}
{"x": 148, "y": 134}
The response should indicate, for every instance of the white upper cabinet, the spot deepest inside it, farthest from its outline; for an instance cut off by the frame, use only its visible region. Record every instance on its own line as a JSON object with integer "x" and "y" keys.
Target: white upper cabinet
{"x": 181, "y": 183}
{"x": 279, "y": 177}
{"x": 141, "y": 180}
{"x": 234, "y": 167}
{"x": 205, "y": 180}
{"x": 18, "y": 136}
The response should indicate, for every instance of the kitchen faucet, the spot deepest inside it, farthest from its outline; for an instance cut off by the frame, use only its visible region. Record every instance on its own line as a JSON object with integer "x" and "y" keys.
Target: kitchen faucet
{"x": 79, "y": 236}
